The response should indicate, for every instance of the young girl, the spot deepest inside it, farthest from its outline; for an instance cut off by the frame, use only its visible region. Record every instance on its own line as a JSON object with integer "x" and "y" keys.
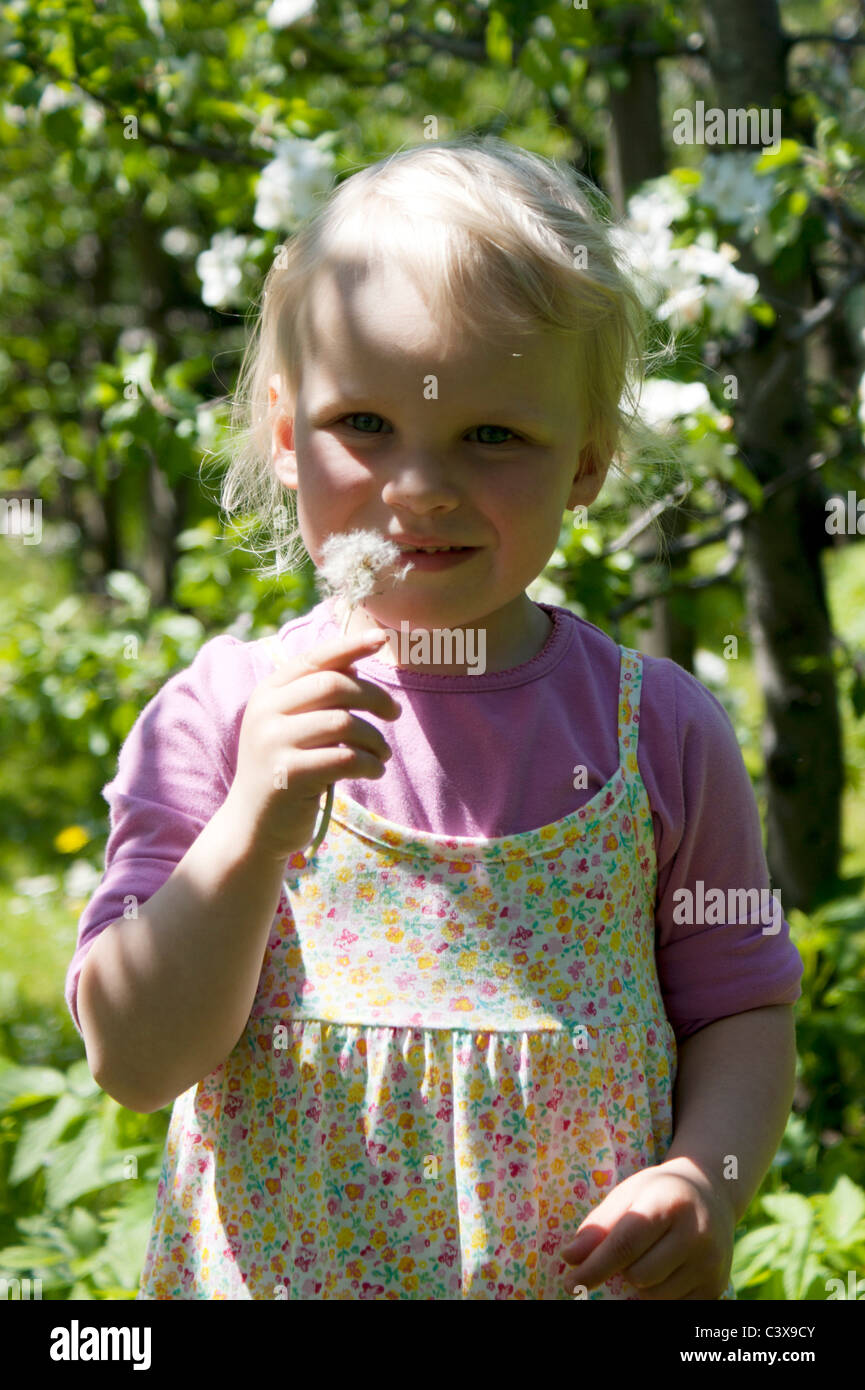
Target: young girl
{"x": 471, "y": 1047}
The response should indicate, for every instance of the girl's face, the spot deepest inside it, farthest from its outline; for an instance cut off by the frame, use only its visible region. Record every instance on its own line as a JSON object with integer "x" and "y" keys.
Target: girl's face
{"x": 477, "y": 446}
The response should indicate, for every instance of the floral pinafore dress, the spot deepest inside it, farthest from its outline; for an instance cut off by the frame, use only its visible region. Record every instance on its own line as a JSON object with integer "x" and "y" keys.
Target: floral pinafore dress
{"x": 457, "y": 1049}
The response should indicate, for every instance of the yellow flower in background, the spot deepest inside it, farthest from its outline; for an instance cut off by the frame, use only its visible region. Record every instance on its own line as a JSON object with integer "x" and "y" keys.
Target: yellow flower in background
{"x": 73, "y": 838}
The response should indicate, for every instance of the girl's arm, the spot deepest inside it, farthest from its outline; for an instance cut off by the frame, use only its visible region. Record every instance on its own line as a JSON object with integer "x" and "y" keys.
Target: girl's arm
{"x": 734, "y": 1090}
{"x": 163, "y": 998}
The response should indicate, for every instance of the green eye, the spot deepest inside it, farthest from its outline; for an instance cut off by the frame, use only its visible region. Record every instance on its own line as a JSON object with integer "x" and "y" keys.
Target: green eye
{"x": 503, "y": 429}
{"x": 362, "y": 415}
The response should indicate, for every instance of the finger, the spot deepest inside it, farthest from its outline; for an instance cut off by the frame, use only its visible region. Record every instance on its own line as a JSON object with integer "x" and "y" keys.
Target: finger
{"x": 631, "y": 1236}
{"x": 585, "y": 1241}
{"x": 331, "y": 727}
{"x": 683, "y": 1282}
{"x": 659, "y": 1264}
{"x": 335, "y": 655}
{"x": 316, "y": 768}
{"x": 335, "y": 690}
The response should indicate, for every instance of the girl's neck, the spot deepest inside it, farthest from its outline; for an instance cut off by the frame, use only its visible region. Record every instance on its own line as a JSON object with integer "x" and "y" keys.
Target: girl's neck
{"x": 507, "y": 639}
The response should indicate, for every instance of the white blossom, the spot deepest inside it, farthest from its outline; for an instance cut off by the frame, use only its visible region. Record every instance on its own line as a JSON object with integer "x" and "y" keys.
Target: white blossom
{"x": 684, "y": 307}
{"x": 38, "y": 887}
{"x": 220, "y": 267}
{"x": 701, "y": 276}
{"x": 282, "y": 13}
{"x": 54, "y": 98}
{"x": 154, "y": 20}
{"x": 728, "y": 299}
{"x": 663, "y": 400}
{"x": 683, "y": 284}
{"x": 742, "y": 197}
{"x": 179, "y": 241}
{"x": 92, "y": 117}
{"x": 81, "y": 879}
{"x": 545, "y": 590}
{"x": 288, "y": 186}
{"x": 656, "y": 208}
{"x": 728, "y": 184}
{"x": 710, "y": 668}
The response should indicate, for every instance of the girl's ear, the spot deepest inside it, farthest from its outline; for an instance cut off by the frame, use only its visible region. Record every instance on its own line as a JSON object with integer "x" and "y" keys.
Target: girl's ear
{"x": 283, "y": 456}
{"x": 589, "y": 478}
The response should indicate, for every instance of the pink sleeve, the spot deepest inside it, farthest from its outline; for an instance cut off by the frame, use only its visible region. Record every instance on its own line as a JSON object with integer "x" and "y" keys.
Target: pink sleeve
{"x": 710, "y": 831}
{"x": 174, "y": 771}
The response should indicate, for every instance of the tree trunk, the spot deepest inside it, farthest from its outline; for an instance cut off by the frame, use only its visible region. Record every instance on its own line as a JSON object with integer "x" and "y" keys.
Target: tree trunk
{"x": 635, "y": 152}
{"x": 164, "y": 500}
{"x": 165, "y": 505}
{"x": 785, "y": 590}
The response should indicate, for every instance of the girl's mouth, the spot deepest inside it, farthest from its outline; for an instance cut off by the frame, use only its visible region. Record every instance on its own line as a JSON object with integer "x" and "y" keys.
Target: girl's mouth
{"x": 435, "y": 559}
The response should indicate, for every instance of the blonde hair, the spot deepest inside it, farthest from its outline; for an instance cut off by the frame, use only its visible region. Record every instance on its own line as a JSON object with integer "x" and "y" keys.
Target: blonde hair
{"x": 498, "y": 239}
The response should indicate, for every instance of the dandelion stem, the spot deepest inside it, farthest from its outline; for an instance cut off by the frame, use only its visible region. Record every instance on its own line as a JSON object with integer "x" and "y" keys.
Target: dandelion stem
{"x": 349, "y": 568}
{"x": 324, "y": 818}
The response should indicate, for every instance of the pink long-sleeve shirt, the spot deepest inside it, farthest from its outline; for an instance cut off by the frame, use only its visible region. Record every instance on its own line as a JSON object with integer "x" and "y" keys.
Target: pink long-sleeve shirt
{"x": 485, "y": 755}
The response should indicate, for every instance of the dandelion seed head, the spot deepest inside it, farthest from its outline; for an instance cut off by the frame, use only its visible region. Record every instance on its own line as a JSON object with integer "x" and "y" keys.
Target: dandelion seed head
{"x": 351, "y": 563}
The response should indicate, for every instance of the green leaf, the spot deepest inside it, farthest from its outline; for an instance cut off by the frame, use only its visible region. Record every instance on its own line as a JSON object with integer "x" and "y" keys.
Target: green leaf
{"x": 536, "y": 64}
{"x": 843, "y": 1208}
{"x": 127, "y": 1229}
{"x": 757, "y": 1252}
{"x": 80, "y": 1081}
{"x": 23, "y": 1086}
{"x": 685, "y": 177}
{"x": 814, "y": 1273}
{"x": 62, "y": 127}
{"x": 841, "y": 156}
{"x": 83, "y": 1230}
{"x": 39, "y": 1137}
{"x": 122, "y": 718}
{"x": 736, "y": 471}
{"x": 127, "y": 587}
{"x": 794, "y": 1265}
{"x": 29, "y": 1256}
{"x": 499, "y": 44}
{"x": 763, "y": 313}
{"x": 27, "y": 93}
{"x": 76, "y": 1166}
{"x": 787, "y": 153}
{"x": 790, "y": 1209}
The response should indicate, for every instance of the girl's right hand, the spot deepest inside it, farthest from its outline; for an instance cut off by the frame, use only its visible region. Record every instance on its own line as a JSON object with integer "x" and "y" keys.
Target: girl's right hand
{"x": 298, "y": 735}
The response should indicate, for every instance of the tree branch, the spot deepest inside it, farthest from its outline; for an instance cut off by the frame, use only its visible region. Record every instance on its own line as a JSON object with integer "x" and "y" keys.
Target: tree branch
{"x": 852, "y": 41}
{"x": 474, "y": 50}
{"x": 731, "y": 517}
{"x": 645, "y": 519}
{"x": 828, "y": 305}
{"x": 722, "y": 575}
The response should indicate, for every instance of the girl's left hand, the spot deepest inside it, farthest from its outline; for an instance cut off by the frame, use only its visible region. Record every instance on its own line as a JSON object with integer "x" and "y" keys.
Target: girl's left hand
{"x": 668, "y": 1229}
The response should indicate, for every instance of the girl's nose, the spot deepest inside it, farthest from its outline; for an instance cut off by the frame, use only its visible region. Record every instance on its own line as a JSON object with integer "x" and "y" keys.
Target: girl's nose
{"x": 420, "y": 482}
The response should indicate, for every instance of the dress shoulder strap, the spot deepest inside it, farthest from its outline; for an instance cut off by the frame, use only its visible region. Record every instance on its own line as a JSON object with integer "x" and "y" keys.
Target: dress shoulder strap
{"x": 630, "y": 683}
